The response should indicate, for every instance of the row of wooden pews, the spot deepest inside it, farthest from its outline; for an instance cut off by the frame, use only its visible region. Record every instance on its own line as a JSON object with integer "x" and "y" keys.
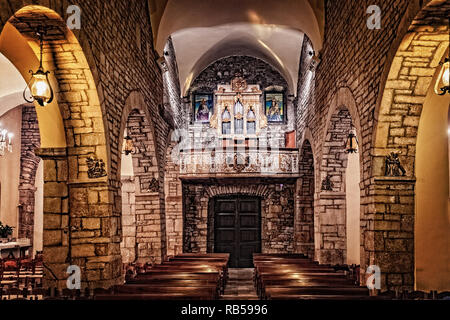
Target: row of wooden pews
{"x": 294, "y": 276}
{"x": 189, "y": 276}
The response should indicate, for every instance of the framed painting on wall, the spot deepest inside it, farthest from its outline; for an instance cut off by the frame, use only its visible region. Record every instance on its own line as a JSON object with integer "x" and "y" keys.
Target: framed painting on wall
{"x": 275, "y": 107}
{"x": 203, "y": 107}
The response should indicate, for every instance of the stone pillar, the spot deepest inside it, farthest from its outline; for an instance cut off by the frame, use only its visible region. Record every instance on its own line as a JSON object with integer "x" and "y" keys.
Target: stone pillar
{"x": 128, "y": 244}
{"x": 331, "y": 228}
{"x": 174, "y": 205}
{"x": 389, "y": 235}
{"x": 56, "y": 216}
{"x": 81, "y": 226}
{"x": 29, "y": 162}
{"x": 95, "y": 233}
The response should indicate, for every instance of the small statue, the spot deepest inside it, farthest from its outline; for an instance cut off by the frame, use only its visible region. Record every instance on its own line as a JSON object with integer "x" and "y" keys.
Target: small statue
{"x": 153, "y": 185}
{"x": 393, "y": 167}
{"x": 96, "y": 168}
{"x": 327, "y": 184}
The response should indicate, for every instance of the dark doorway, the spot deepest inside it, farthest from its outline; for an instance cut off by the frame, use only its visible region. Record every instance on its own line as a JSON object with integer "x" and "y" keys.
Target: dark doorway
{"x": 237, "y": 228}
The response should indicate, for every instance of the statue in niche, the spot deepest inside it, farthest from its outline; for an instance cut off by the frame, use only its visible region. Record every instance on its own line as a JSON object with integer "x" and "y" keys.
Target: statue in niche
{"x": 96, "y": 168}
{"x": 327, "y": 184}
{"x": 393, "y": 167}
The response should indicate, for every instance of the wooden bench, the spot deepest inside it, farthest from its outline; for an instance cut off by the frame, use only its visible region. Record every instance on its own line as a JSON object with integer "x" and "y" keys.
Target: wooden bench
{"x": 186, "y": 276}
{"x": 286, "y": 276}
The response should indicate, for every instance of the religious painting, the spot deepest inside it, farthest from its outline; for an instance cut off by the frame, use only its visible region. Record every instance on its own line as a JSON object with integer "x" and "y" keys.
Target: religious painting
{"x": 203, "y": 107}
{"x": 275, "y": 107}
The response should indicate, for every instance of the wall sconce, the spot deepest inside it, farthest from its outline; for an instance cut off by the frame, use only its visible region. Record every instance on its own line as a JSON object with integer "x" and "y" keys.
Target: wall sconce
{"x": 443, "y": 82}
{"x": 351, "y": 145}
{"x": 39, "y": 85}
{"x": 5, "y": 141}
{"x": 129, "y": 146}
{"x": 162, "y": 63}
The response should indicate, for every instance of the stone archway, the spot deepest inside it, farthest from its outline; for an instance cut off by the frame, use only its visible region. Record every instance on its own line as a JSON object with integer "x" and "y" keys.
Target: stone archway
{"x": 391, "y": 237}
{"x": 331, "y": 204}
{"x": 146, "y": 198}
{"x": 79, "y": 225}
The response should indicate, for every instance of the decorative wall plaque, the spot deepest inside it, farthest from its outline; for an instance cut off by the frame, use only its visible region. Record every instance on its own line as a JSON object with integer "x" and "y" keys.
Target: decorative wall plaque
{"x": 393, "y": 167}
{"x": 153, "y": 186}
{"x": 239, "y": 84}
{"x": 327, "y": 185}
{"x": 96, "y": 168}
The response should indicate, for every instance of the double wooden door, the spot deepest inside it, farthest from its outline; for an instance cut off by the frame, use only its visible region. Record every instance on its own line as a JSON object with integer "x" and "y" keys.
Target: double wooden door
{"x": 237, "y": 228}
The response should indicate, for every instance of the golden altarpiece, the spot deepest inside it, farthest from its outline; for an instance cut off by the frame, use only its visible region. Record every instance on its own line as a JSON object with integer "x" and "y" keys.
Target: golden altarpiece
{"x": 239, "y": 116}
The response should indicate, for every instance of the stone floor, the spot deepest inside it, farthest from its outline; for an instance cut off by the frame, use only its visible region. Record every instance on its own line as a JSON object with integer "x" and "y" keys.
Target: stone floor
{"x": 240, "y": 285}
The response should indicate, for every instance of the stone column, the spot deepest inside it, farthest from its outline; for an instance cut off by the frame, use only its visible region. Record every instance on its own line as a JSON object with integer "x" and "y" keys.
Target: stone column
{"x": 389, "y": 235}
{"x": 81, "y": 226}
{"x": 56, "y": 216}
{"x": 95, "y": 233}
{"x": 331, "y": 228}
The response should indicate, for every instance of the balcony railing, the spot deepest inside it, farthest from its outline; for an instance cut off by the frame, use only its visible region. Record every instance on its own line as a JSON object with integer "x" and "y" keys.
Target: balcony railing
{"x": 242, "y": 160}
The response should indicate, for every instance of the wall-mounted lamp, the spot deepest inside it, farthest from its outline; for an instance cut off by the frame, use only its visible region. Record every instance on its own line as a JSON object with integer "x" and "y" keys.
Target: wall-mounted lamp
{"x": 351, "y": 145}
{"x": 39, "y": 85}
{"x": 129, "y": 146}
{"x": 443, "y": 82}
{"x": 162, "y": 63}
{"x": 5, "y": 142}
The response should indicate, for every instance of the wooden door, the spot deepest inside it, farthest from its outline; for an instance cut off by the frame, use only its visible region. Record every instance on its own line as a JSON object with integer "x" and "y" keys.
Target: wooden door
{"x": 237, "y": 229}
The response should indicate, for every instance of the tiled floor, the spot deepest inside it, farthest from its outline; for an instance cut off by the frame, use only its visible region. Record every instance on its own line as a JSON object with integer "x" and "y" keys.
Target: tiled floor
{"x": 240, "y": 285}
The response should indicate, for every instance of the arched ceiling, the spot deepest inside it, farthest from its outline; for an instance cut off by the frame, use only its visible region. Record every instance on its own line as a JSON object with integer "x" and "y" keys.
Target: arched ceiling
{"x": 196, "y": 48}
{"x": 169, "y": 16}
{"x": 12, "y": 85}
{"x": 206, "y": 30}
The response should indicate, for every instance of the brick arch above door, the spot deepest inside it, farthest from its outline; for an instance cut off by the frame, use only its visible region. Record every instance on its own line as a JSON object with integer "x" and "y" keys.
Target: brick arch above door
{"x": 253, "y": 190}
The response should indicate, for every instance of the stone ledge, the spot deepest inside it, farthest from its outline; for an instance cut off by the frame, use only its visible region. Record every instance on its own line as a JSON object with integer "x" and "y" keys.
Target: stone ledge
{"x": 51, "y": 152}
{"x": 388, "y": 180}
{"x": 331, "y": 195}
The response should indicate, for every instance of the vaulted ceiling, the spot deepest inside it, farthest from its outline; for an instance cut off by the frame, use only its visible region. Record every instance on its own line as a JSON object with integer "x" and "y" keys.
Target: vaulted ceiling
{"x": 12, "y": 85}
{"x": 206, "y": 30}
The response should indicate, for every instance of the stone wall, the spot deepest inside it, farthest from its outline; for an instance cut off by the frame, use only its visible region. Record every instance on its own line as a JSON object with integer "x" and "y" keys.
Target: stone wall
{"x": 29, "y": 162}
{"x": 408, "y": 81}
{"x": 94, "y": 77}
{"x": 277, "y": 213}
{"x": 359, "y": 62}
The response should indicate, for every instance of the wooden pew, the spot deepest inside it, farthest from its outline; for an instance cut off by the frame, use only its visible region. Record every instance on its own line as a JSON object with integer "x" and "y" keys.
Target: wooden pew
{"x": 208, "y": 291}
{"x": 286, "y": 276}
{"x": 188, "y": 276}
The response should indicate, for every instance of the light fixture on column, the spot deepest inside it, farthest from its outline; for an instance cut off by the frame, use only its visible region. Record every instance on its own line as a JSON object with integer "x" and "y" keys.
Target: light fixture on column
{"x": 351, "y": 145}
{"x": 39, "y": 85}
{"x": 5, "y": 141}
{"x": 129, "y": 146}
{"x": 443, "y": 82}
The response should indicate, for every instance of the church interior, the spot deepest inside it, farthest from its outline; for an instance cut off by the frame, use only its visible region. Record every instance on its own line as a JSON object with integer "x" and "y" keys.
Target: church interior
{"x": 224, "y": 150}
